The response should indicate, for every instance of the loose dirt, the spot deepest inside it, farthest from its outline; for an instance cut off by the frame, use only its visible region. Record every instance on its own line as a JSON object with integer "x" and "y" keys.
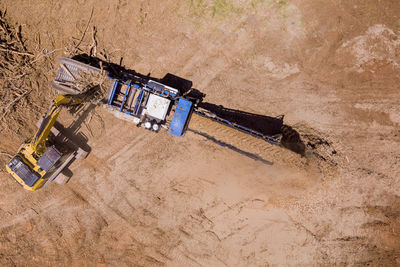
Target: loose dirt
{"x": 140, "y": 198}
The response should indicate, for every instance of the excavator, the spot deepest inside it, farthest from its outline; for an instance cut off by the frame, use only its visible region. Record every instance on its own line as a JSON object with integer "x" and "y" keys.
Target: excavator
{"x": 42, "y": 158}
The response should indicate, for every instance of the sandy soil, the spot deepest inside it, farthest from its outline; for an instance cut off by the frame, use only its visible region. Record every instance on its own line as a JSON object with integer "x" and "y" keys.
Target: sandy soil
{"x": 331, "y": 67}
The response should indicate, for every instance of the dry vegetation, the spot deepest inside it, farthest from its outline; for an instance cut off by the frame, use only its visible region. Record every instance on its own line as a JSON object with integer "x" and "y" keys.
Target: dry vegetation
{"x": 21, "y": 79}
{"x": 15, "y": 68}
{"x": 25, "y": 72}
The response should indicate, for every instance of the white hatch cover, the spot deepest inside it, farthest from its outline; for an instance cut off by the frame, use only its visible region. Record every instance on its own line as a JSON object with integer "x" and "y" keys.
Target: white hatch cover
{"x": 157, "y": 107}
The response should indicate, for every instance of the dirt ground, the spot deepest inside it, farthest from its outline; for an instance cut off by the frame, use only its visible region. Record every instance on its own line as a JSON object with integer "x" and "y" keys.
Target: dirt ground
{"x": 139, "y": 198}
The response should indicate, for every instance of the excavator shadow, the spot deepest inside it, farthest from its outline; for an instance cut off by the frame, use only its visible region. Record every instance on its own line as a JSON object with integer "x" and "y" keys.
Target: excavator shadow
{"x": 76, "y": 138}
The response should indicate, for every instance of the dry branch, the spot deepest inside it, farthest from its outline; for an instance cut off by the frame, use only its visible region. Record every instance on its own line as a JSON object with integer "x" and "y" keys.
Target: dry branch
{"x": 15, "y": 100}
{"x": 84, "y": 32}
{"x": 5, "y": 154}
{"x": 17, "y": 52}
{"x": 67, "y": 71}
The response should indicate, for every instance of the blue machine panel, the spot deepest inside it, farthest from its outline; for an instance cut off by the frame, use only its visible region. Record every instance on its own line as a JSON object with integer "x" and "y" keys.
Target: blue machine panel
{"x": 181, "y": 116}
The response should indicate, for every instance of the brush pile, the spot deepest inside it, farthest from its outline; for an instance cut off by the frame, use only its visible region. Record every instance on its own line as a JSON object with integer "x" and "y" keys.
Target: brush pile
{"x": 16, "y": 71}
{"x": 14, "y": 66}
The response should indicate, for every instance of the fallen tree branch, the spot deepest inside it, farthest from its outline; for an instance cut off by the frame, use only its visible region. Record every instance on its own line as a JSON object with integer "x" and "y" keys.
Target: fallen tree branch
{"x": 67, "y": 71}
{"x": 5, "y": 154}
{"x": 15, "y": 100}
{"x": 17, "y": 52}
{"x": 18, "y": 35}
{"x": 84, "y": 32}
{"x": 93, "y": 47}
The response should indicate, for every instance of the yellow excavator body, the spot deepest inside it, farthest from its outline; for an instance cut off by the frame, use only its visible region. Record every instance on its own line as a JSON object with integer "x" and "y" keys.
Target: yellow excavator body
{"x": 36, "y": 158}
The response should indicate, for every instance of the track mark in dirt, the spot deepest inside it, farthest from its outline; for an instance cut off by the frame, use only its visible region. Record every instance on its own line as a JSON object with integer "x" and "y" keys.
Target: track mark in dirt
{"x": 96, "y": 165}
{"x": 301, "y": 226}
{"x": 130, "y": 148}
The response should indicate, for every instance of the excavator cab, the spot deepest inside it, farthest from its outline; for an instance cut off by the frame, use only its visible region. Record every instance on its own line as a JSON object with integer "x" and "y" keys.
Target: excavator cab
{"x": 22, "y": 172}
